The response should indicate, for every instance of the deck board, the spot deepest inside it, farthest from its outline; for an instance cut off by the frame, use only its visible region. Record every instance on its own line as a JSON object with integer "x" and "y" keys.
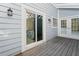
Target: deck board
{"x": 62, "y": 49}
{"x": 52, "y": 48}
{"x": 56, "y": 47}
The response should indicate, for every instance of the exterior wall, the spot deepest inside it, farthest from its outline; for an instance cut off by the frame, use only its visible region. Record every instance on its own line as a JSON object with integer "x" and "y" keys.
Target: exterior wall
{"x": 11, "y": 26}
{"x": 51, "y": 31}
{"x": 10, "y": 44}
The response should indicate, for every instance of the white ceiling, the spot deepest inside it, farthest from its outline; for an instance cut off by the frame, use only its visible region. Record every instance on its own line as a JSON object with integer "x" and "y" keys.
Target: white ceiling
{"x": 66, "y": 5}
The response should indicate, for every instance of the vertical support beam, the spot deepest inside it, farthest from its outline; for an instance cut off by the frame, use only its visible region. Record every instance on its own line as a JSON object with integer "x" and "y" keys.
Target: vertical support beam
{"x": 59, "y": 27}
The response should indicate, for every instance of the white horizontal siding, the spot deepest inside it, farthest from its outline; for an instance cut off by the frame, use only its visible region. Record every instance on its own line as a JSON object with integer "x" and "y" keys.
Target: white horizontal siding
{"x": 9, "y": 41}
{"x": 9, "y": 5}
{"x": 11, "y": 36}
{"x": 13, "y": 51}
{"x": 17, "y": 4}
{"x": 8, "y": 47}
{"x": 4, "y": 9}
{"x": 3, "y": 14}
{"x": 10, "y": 26}
{"x": 11, "y": 21}
{"x": 38, "y": 6}
{"x": 11, "y": 31}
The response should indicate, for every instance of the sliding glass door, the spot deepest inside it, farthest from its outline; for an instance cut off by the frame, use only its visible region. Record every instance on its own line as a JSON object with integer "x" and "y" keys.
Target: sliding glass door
{"x": 30, "y": 28}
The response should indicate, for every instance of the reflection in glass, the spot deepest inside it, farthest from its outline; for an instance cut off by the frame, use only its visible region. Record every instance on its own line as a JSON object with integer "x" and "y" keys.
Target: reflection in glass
{"x": 39, "y": 27}
{"x": 75, "y": 25}
{"x": 30, "y": 24}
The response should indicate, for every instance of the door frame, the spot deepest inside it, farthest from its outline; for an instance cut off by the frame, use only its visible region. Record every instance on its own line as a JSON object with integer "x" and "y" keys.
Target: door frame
{"x": 24, "y": 45}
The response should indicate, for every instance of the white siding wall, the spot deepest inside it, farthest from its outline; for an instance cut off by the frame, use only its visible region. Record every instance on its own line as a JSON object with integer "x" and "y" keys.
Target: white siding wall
{"x": 51, "y": 31}
{"x": 11, "y": 44}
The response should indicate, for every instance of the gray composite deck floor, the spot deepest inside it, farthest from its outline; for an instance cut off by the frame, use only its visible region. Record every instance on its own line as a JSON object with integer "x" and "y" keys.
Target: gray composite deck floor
{"x": 55, "y": 47}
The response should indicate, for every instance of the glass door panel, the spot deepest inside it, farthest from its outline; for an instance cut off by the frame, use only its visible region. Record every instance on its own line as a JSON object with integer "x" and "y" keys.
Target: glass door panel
{"x": 39, "y": 27}
{"x": 30, "y": 30}
{"x": 63, "y": 26}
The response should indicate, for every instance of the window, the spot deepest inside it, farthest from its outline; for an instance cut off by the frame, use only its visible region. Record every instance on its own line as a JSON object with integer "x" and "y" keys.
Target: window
{"x": 63, "y": 24}
{"x": 75, "y": 25}
{"x": 54, "y": 22}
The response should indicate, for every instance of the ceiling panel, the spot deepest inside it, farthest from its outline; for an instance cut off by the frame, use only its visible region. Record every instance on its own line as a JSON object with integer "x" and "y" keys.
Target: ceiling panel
{"x": 66, "y": 5}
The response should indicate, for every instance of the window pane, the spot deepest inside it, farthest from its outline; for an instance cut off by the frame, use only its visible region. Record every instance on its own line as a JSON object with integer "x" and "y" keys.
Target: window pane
{"x": 63, "y": 23}
{"x": 39, "y": 27}
{"x": 75, "y": 25}
{"x": 30, "y": 30}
